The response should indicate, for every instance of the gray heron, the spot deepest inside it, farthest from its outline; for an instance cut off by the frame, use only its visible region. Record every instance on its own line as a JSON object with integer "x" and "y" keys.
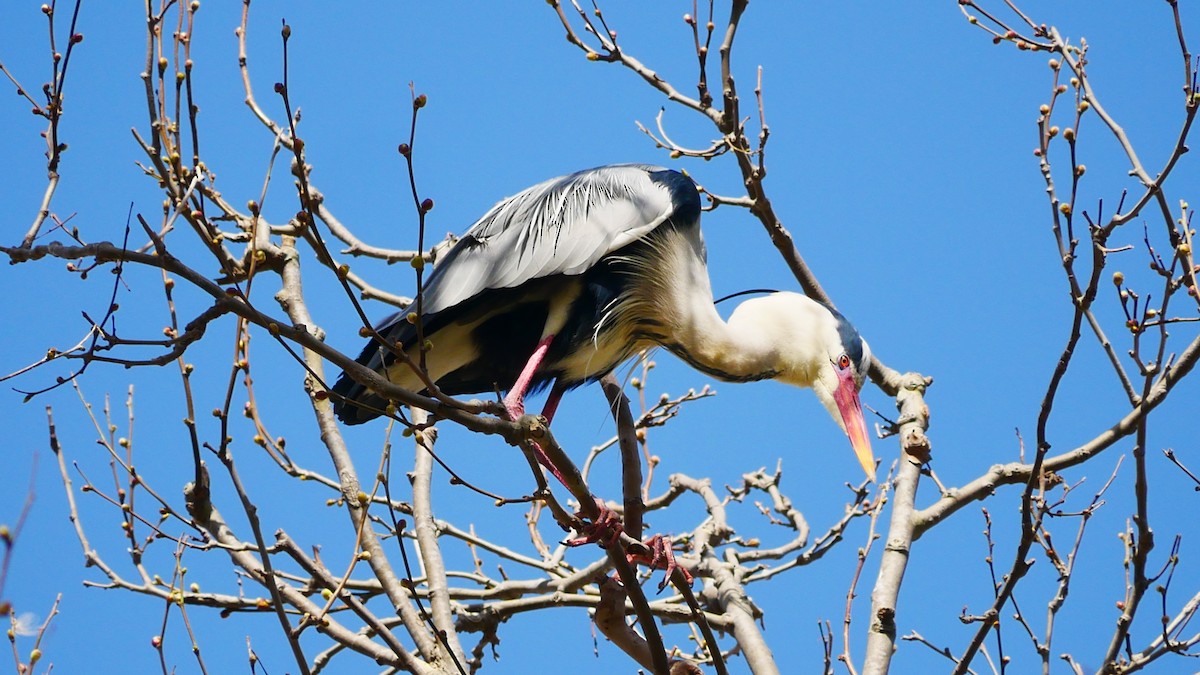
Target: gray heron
{"x": 563, "y": 282}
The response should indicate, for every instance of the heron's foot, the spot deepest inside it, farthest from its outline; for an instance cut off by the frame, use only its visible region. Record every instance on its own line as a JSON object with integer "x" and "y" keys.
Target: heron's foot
{"x": 605, "y": 529}
{"x": 661, "y": 556}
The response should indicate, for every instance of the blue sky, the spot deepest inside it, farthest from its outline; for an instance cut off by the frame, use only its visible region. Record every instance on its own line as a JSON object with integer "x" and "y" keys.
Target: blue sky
{"x": 900, "y": 159}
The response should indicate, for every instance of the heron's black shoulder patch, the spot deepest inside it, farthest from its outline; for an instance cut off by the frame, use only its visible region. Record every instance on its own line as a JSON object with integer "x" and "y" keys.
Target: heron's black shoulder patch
{"x": 684, "y": 195}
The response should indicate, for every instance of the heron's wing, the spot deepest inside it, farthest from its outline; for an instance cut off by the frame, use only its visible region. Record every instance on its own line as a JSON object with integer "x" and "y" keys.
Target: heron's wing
{"x": 562, "y": 226}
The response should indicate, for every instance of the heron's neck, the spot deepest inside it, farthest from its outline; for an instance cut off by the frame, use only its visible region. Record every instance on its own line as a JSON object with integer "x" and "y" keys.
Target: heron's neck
{"x": 733, "y": 351}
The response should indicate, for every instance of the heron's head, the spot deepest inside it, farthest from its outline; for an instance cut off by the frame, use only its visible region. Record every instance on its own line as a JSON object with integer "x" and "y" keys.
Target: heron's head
{"x": 828, "y": 355}
{"x": 838, "y": 382}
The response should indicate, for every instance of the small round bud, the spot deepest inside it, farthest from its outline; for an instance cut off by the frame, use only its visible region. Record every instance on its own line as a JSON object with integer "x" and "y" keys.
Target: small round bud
{"x": 1065, "y": 208}
{"x": 1083, "y": 106}
{"x": 1080, "y": 169}
{"x": 1044, "y": 109}
{"x": 427, "y": 205}
{"x": 1075, "y": 82}
{"x": 1053, "y": 131}
{"x": 404, "y": 149}
{"x": 420, "y": 101}
{"x": 286, "y": 31}
{"x": 1053, "y": 64}
{"x": 417, "y": 262}
{"x": 1118, "y": 279}
{"x": 279, "y": 88}
{"x": 76, "y": 38}
{"x": 1069, "y": 134}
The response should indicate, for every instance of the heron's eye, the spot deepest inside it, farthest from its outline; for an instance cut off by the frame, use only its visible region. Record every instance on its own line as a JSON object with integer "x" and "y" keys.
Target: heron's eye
{"x": 843, "y": 362}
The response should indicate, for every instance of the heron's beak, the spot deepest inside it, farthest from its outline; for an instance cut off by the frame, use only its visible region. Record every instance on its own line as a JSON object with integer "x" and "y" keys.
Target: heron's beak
{"x": 850, "y": 408}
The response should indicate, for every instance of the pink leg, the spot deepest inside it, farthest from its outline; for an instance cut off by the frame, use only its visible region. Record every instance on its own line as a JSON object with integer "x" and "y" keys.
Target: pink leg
{"x": 556, "y": 394}
{"x": 515, "y": 401}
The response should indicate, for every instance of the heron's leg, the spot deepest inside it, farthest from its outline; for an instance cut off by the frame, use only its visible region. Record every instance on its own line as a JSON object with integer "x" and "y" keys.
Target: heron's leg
{"x": 552, "y": 399}
{"x": 514, "y": 403}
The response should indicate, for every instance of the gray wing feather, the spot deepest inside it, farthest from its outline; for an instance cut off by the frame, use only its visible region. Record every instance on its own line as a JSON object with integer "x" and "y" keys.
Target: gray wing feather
{"x": 562, "y": 226}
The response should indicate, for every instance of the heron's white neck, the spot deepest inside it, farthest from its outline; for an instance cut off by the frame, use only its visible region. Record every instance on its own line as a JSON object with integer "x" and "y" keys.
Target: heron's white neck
{"x": 778, "y": 336}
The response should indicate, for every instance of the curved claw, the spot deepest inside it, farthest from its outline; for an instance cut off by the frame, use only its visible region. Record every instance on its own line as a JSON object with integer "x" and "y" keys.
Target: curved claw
{"x": 604, "y": 530}
{"x": 661, "y": 557}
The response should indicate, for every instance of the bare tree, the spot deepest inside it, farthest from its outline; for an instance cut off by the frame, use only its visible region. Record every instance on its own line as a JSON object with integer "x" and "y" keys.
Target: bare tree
{"x": 412, "y": 591}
